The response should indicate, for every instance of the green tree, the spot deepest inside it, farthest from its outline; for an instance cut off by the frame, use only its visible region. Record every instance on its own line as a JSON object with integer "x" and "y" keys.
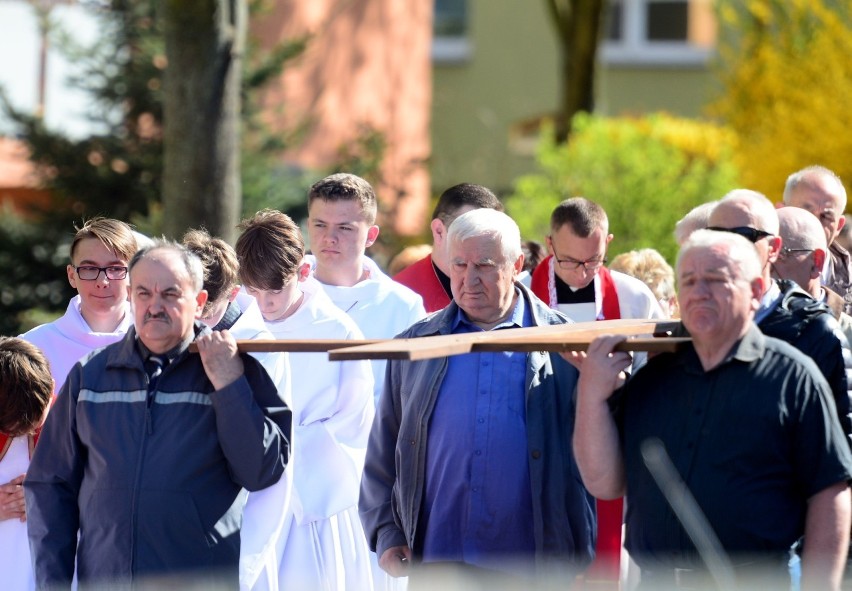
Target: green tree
{"x": 117, "y": 171}
{"x": 645, "y": 172}
{"x": 33, "y": 270}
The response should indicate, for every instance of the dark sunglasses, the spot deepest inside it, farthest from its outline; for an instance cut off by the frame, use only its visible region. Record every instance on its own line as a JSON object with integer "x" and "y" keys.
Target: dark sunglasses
{"x": 750, "y": 234}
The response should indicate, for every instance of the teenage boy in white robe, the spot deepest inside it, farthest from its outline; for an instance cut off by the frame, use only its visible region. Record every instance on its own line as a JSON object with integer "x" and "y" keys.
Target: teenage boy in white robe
{"x": 227, "y": 310}
{"x": 309, "y": 533}
{"x": 341, "y": 226}
{"x": 99, "y": 314}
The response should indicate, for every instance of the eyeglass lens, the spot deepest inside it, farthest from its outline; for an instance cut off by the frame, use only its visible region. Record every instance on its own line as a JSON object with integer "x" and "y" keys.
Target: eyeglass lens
{"x": 90, "y": 273}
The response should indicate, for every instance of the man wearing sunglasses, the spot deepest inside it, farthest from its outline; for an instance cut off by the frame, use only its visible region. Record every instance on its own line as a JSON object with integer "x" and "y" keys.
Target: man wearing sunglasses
{"x": 786, "y": 311}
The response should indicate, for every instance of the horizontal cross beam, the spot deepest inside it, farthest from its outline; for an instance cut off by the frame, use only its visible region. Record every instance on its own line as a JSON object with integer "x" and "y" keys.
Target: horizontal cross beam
{"x": 564, "y": 337}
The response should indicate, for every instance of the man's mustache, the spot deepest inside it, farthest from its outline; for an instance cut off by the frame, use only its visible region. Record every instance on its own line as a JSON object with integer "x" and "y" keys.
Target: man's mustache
{"x": 157, "y": 316}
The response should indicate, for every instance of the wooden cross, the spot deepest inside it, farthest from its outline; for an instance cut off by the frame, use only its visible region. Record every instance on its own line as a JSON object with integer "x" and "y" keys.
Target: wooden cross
{"x": 563, "y": 337}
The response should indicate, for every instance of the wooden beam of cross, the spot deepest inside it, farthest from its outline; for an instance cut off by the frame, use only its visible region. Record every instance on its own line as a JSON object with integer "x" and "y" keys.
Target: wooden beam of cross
{"x": 565, "y": 337}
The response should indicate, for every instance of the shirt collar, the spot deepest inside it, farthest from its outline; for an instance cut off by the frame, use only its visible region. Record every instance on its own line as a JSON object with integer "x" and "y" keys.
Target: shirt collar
{"x": 172, "y": 353}
{"x": 515, "y": 320}
{"x": 749, "y": 348}
{"x": 768, "y": 302}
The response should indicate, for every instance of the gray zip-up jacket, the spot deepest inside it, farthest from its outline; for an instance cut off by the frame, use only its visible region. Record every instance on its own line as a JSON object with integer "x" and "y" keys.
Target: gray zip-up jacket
{"x": 151, "y": 480}
{"x": 393, "y": 482}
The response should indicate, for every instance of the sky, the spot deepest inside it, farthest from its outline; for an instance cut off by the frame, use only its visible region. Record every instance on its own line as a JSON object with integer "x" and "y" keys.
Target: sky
{"x": 19, "y": 46}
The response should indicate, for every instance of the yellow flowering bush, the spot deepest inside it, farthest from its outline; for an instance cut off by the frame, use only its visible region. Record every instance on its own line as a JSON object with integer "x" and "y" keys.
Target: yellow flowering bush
{"x": 787, "y": 87}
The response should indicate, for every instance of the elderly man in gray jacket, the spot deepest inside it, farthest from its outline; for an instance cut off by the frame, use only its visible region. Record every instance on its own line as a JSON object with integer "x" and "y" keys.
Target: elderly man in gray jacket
{"x": 469, "y": 462}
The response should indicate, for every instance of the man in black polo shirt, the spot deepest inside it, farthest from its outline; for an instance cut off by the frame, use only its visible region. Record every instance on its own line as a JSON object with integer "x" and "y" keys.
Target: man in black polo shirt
{"x": 749, "y": 423}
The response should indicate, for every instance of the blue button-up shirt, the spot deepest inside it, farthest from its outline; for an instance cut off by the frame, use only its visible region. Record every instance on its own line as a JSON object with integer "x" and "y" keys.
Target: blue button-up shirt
{"x": 478, "y": 506}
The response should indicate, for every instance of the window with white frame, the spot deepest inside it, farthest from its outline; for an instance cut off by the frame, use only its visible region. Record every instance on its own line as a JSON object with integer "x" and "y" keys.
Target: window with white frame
{"x": 450, "y": 41}
{"x": 658, "y": 32}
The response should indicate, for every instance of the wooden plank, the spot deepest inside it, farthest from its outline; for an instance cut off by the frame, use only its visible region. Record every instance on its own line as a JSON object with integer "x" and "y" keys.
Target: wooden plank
{"x": 525, "y": 339}
{"x": 535, "y": 338}
{"x": 647, "y": 344}
{"x": 293, "y": 345}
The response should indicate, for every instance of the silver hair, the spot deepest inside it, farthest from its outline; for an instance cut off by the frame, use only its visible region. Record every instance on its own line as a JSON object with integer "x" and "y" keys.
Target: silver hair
{"x": 492, "y": 223}
{"x": 805, "y": 176}
{"x": 697, "y": 218}
{"x": 191, "y": 262}
{"x": 740, "y": 251}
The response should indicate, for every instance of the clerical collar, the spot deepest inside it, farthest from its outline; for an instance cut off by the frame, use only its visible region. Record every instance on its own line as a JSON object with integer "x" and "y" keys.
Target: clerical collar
{"x": 565, "y": 294}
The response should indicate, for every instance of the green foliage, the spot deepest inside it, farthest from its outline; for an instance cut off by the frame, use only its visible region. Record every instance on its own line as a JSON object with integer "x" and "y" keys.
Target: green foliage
{"x": 116, "y": 171}
{"x": 33, "y": 271}
{"x": 645, "y": 172}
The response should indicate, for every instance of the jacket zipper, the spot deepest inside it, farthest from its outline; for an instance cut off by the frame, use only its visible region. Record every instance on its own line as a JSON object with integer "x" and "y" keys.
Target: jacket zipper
{"x": 134, "y": 499}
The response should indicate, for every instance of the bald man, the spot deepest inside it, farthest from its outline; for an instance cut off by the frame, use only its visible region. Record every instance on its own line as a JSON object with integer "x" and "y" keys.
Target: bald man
{"x": 786, "y": 311}
{"x": 802, "y": 257}
{"x": 821, "y": 192}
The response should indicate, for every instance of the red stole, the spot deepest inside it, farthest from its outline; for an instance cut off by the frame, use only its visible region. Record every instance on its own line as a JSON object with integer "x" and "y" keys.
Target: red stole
{"x": 6, "y": 443}
{"x": 607, "y": 563}
{"x": 540, "y": 280}
{"x": 6, "y": 440}
{"x": 606, "y": 568}
{"x": 543, "y": 285}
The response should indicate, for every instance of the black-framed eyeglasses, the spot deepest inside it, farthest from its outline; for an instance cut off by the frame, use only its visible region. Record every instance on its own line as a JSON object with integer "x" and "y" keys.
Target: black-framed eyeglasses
{"x": 747, "y": 232}
{"x": 91, "y": 273}
{"x": 786, "y": 252}
{"x": 570, "y": 264}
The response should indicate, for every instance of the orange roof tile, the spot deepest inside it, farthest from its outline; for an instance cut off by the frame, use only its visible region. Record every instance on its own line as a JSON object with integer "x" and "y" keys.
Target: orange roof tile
{"x": 16, "y": 171}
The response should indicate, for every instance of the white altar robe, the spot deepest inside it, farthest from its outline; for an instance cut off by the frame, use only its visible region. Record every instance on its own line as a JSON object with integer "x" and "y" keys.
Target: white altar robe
{"x": 307, "y": 534}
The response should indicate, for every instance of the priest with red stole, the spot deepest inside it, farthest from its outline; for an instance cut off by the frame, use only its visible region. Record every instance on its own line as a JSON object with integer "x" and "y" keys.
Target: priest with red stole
{"x": 574, "y": 280}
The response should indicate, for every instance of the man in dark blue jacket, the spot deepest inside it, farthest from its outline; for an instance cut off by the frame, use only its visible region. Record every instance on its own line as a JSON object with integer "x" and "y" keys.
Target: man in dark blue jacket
{"x": 141, "y": 464}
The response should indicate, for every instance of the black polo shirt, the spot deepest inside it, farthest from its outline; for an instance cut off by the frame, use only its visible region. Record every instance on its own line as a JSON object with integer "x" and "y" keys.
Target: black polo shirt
{"x": 753, "y": 439}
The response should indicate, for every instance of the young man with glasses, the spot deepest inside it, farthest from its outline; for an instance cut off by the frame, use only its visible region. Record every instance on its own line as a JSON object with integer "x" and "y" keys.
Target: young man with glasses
{"x": 99, "y": 314}
{"x": 574, "y": 280}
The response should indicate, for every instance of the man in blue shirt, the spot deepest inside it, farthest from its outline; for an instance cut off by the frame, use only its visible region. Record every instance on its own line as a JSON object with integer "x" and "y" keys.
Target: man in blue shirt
{"x": 469, "y": 460}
